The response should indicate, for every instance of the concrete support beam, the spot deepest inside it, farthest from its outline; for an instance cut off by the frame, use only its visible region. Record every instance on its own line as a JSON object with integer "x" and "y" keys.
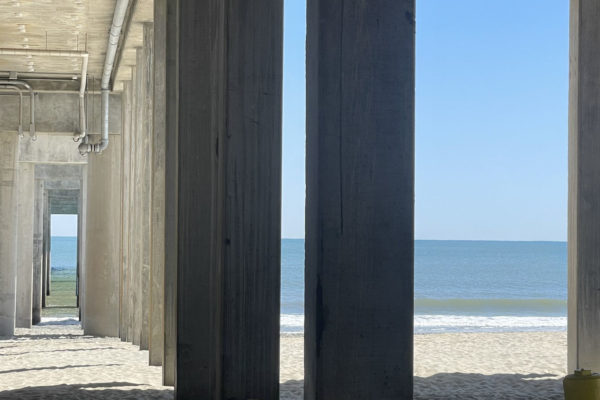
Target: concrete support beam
{"x": 9, "y": 154}
{"x": 584, "y": 188}
{"x": 103, "y": 242}
{"x": 25, "y": 214}
{"x": 38, "y": 248}
{"x": 157, "y": 261}
{"x": 227, "y": 91}
{"x": 360, "y": 199}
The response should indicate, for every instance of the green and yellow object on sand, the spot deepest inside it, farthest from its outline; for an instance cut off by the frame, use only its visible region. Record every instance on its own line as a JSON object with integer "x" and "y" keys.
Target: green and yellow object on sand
{"x": 582, "y": 385}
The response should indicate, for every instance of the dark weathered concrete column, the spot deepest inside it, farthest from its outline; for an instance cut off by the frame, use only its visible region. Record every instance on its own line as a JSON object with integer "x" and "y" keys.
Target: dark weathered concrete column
{"x": 9, "y": 154}
{"x": 157, "y": 262}
{"x": 360, "y": 199}
{"x": 584, "y": 187}
{"x": 38, "y": 240}
{"x": 170, "y": 10}
{"x": 227, "y": 88}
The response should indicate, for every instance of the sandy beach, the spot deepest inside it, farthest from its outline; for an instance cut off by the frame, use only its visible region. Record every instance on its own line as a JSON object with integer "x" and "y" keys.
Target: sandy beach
{"x": 58, "y": 362}
{"x": 482, "y": 366}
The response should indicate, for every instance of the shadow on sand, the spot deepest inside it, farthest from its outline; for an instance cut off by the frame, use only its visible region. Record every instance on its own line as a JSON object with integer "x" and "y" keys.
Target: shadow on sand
{"x": 106, "y": 390}
{"x": 450, "y": 386}
{"x": 461, "y": 386}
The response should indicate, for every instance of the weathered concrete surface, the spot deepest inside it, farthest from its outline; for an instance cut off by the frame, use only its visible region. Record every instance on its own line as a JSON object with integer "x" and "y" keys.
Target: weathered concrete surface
{"x": 63, "y": 201}
{"x": 25, "y": 213}
{"x": 360, "y": 199}
{"x": 45, "y": 246}
{"x": 125, "y": 212}
{"x": 103, "y": 243}
{"x": 168, "y": 22}
{"x": 229, "y": 191}
{"x": 58, "y": 113}
{"x": 584, "y": 188}
{"x": 38, "y": 239}
{"x": 82, "y": 241}
{"x": 137, "y": 244}
{"x": 145, "y": 187}
{"x": 64, "y": 150}
{"x": 8, "y": 231}
{"x": 157, "y": 230}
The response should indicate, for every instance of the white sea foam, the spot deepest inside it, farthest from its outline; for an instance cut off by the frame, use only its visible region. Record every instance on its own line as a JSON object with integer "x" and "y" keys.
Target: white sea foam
{"x": 60, "y": 321}
{"x": 292, "y": 322}
{"x": 469, "y": 323}
{"x": 459, "y": 323}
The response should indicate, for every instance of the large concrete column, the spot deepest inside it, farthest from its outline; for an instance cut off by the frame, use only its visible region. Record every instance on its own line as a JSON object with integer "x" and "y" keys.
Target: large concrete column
{"x": 157, "y": 261}
{"x": 145, "y": 187}
{"x": 227, "y": 92}
{"x": 38, "y": 240}
{"x": 171, "y": 183}
{"x": 9, "y": 143}
{"x": 45, "y": 245}
{"x": 25, "y": 213}
{"x": 584, "y": 186}
{"x": 103, "y": 242}
{"x": 360, "y": 199}
{"x": 126, "y": 104}
{"x": 134, "y": 305}
{"x": 137, "y": 231}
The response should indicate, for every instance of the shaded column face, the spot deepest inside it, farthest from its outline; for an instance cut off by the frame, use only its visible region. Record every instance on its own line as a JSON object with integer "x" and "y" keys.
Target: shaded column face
{"x": 584, "y": 190}
{"x": 227, "y": 91}
{"x": 38, "y": 239}
{"x": 25, "y": 211}
{"x": 360, "y": 195}
{"x": 8, "y": 231}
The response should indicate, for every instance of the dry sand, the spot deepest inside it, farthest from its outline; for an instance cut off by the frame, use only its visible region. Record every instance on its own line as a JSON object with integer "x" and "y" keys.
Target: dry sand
{"x": 465, "y": 366}
{"x": 58, "y": 362}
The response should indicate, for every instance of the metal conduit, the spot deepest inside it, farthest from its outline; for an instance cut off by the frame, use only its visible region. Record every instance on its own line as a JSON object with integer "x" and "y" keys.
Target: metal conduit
{"x": 13, "y": 82}
{"x": 17, "y": 89}
{"x": 111, "y": 51}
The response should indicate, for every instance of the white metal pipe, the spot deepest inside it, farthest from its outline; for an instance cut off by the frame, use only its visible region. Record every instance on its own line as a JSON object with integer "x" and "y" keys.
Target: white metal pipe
{"x": 82, "y": 119}
{"x": 109, "y": 60}
{"x": 40, "y": 52}
{"x": 16, "y": 88}
{"x": 14, "y": 82}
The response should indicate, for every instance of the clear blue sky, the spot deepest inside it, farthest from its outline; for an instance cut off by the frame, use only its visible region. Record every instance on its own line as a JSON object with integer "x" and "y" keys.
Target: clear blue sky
{"x": 491, "y": 120}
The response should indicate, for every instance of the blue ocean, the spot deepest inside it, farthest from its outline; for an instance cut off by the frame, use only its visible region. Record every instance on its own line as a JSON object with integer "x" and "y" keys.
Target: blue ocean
{"x": 464, "y": 286}
{"x": 460, "y": 286}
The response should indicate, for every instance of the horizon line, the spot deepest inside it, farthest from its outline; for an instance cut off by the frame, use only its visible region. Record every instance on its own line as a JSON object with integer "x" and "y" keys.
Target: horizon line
{"x": 426, "y": 240}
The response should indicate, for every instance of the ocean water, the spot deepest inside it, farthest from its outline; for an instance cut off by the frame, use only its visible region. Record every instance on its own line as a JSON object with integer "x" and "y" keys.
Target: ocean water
{"x": 63, "y": 255}
{"x": 460, "y": 286}
{"x": 464, "y": 286}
